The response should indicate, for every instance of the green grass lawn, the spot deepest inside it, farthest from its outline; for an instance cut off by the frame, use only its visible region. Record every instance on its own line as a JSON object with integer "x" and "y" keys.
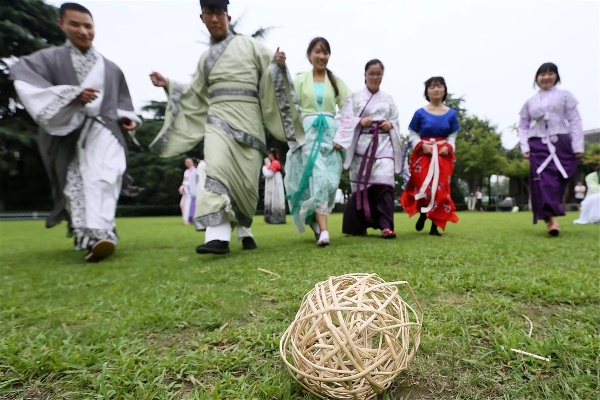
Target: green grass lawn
{"x": 158, "y": 321}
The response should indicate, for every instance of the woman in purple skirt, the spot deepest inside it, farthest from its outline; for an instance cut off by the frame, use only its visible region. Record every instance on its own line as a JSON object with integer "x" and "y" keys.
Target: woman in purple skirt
{"x": 551, "y": 138}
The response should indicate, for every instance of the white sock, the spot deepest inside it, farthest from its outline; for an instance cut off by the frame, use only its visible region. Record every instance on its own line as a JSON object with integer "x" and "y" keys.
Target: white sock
{"x": 243, "y": 232}
{"x": 220, "y": 232}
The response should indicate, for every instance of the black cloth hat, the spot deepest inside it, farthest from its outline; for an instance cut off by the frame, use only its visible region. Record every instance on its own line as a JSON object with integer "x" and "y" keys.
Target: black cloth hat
{"x": 222, "y": 4}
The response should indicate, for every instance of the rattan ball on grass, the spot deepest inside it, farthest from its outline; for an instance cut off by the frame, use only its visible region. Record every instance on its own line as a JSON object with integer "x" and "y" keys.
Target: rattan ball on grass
{"x": 352, "y": 336}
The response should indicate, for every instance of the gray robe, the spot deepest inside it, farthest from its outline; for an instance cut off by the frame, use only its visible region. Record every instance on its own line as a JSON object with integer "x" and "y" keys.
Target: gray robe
{"x": 53, "y": 67}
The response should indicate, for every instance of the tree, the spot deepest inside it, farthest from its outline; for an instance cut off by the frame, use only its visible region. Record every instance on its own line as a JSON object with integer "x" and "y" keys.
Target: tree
{"x": 25, "y": 26}
{"x": 591, "y": 157}
{"x": 479, "y": 151}
{"x": 260, "y": 33}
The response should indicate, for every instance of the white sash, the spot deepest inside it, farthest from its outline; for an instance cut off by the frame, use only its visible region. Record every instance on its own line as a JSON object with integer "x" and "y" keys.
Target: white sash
{"x": 433, "y": 174}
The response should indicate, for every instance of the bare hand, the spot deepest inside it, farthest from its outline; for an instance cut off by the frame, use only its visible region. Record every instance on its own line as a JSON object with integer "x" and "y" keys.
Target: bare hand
{"x": 366, "y": 121}
{"x": 158, "y": 79}
{"x": 127, "y": 124}
{"x": 337, "y": 146}
{"x": 444, "y": 151}
{"x": 427, "y": 148}
{"x": 385, "y": 126}
{"x": 280, "y": 58}
{"x": 526, "y": 155}
{"x": 88, "y": 95}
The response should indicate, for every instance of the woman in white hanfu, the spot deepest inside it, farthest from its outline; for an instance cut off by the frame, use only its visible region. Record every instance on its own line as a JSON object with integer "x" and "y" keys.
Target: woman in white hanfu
{"x": 188, "y": 197}
{"x": 369, "y": 132}
{"x": 274, "y": 192}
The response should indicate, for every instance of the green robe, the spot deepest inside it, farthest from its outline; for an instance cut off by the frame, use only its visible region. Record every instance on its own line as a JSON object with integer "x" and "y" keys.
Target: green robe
{"x": 313, "y": 171}
{"x": 237, "y": 95}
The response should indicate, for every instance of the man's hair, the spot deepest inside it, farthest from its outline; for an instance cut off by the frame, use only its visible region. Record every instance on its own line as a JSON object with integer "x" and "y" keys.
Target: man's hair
{"x": 73, "y": 7}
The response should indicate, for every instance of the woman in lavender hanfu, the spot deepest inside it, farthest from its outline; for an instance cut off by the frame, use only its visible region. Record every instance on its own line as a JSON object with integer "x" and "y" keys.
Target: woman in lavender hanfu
{"x": 551, "y": 138}
{"x": 370, "y": 134}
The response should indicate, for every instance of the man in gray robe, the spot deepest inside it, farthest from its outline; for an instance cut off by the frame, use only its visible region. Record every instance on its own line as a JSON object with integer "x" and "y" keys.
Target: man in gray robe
{"x": 82, "y": 105}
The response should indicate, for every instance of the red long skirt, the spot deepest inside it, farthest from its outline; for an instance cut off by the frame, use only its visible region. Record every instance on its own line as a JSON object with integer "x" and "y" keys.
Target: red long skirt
{"x": 443, "y": 209}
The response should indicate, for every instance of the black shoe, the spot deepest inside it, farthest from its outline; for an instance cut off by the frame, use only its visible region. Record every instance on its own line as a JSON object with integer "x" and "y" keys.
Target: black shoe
{"x": 421, "y": 222}
{"x": 434, "y": 230}
{"x": 100, "y": 250}
{"x": 213, "y": 247}
{"x": 248, "y": 243}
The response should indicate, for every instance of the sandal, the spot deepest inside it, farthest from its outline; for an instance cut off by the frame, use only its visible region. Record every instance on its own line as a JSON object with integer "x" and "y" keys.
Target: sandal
{"x": 388, "y": 234}
{"x": 554, "y": 229}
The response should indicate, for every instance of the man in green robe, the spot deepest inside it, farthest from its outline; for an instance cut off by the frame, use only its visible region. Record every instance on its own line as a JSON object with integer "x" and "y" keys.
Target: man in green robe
{"x": 238, "y": 93}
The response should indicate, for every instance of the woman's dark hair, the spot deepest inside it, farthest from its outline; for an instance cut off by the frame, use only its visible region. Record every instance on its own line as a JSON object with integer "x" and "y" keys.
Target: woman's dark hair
{"x": 546, "y": 67}
{"x": 374, "y": 61}
{"x": 436, "y": 79}
{"x": 275, "y": 153}
{"x": 72, "y": 7}
{"x": 325, "y": 44}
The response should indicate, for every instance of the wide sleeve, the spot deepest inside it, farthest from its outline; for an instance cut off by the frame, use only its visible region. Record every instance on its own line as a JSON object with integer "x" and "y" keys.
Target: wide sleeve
{"x": 348, "y": 124}
{"x": 344, "y": 93}
{"x": 51, "y": 106}
{"x": 185, "y": 116}
{"x": 415, "y": 128}
{"x": 278, "y": 99}
{"x": 454, "y": 128}
{"x": 125, "y": 105}
{"x": 395, "y": 136}
{"x": 524, "y": 124}
{"x": 574, "y": 119}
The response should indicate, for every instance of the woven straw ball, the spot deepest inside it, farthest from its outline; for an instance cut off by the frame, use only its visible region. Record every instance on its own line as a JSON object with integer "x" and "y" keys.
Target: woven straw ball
{"x": 352, "y": 336}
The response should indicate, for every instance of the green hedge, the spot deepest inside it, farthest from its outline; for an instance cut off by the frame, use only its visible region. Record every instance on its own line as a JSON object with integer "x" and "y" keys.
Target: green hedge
{"x": 147, "y": 211}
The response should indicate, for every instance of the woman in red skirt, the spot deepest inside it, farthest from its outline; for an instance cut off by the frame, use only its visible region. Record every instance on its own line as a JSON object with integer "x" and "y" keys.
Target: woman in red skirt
{"x": 433, "y": 131}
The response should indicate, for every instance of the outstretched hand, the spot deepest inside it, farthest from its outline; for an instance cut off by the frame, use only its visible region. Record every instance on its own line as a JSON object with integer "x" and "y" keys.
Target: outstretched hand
{"x": 280, "y": 58}
{"x": 158, "y": 79}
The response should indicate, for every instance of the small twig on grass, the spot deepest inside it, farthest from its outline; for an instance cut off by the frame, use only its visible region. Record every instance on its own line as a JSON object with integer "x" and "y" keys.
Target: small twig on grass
{"x": 530, "y": 324}
{"x": 277, "y": 276}
{"x": 531, "y": 355}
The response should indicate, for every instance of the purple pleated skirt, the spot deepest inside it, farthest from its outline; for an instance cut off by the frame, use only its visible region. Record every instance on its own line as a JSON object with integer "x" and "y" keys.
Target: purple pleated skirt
{"x": 548, "y": 187}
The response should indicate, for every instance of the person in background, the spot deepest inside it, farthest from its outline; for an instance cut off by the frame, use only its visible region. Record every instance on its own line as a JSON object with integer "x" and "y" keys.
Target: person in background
{"x": 551, "y": 138}
{"x": 187, "y": 204}
{"x": 590, "y": 206}
{"x": 274, "y": 193}
{"x": 579, "y": 193}
{"x": 370, "y": 134}
{"x": 433, "y": 131}
{"x": 479, "y": 200}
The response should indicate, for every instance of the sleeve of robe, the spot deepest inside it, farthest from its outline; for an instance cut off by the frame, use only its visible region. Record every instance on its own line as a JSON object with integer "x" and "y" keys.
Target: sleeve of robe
{"x": 524, "y": 123}
{"x": 348, "y": 124}
{"x": 278, "y": 99}
{"x": 125, "y": 105}
{"x": 344, "y": 93}
{"x": 395, "y": 136}
{"x": 51, "y": 106}
{"x": 185, "y": 116}
{"x": 574, "y": 119}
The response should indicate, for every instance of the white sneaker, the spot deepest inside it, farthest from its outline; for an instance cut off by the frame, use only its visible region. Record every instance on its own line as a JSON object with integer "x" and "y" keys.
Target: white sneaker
{"x": 323, "y": 239}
